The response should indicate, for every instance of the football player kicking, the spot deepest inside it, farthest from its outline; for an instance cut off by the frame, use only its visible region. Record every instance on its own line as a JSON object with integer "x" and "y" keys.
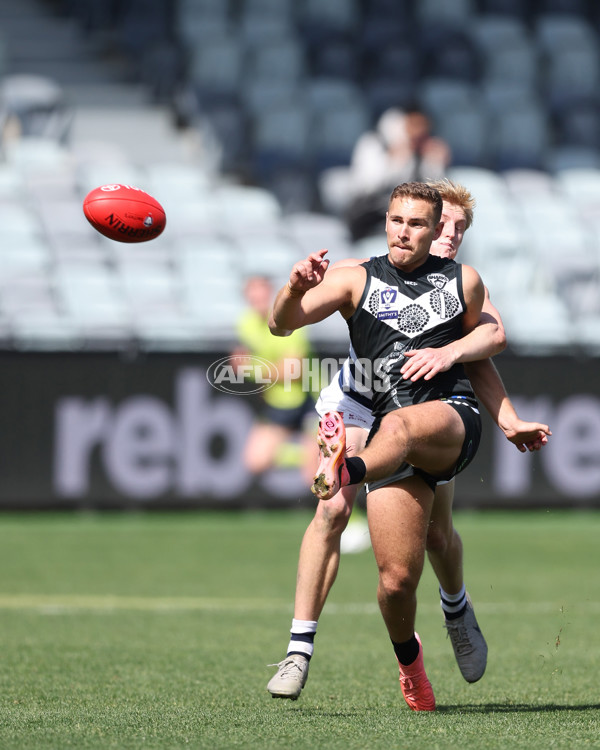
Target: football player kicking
{"x": 320, "y": 549}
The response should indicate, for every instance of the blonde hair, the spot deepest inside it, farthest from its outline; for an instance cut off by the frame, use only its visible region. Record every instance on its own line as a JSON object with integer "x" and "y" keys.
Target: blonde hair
{"x": 456, "y": 194}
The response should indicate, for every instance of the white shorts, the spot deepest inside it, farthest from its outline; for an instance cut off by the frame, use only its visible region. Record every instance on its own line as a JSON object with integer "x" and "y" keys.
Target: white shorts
{"x": 333, "y": 398}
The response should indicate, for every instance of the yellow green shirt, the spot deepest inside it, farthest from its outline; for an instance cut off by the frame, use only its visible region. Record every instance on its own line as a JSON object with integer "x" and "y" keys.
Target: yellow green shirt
{"x": 254, "y": 334}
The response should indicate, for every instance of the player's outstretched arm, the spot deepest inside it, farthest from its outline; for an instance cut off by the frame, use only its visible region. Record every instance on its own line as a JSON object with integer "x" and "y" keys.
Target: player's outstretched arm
{"x": 490, "y": 390}
{"x": 310, "y": 295}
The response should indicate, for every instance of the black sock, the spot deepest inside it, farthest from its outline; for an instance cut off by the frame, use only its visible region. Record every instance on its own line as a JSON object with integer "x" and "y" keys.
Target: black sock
{"x": 356, "y": 469}
{"x": 407, "y": 651}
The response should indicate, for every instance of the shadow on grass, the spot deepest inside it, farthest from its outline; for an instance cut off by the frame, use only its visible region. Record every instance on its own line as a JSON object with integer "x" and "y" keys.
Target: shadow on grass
{"x": 508, "y": 708}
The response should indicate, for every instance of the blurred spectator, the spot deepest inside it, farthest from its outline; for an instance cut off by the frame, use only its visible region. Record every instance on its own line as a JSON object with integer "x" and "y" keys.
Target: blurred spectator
{"x": 284, "y": 432}
{"x": 401, "y": 148}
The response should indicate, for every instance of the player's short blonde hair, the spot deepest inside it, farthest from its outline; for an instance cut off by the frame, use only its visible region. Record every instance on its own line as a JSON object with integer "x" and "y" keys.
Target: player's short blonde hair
{"x": 456, "y": 194}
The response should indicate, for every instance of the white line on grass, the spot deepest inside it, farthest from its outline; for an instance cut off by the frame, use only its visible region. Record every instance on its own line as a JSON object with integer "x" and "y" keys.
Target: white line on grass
{"x": 76, "y": 603}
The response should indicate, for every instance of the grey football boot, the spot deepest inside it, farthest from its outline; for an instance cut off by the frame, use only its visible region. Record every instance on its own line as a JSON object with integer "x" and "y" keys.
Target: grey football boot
{"x": 470, "y": 648}
{"x": 290, "y": 677}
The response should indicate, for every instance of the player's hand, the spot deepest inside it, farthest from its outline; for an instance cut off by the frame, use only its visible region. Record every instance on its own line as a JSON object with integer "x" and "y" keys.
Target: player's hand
{"x": 309, "y": 272}
{"x": 426, "y": 363}
{"x": 528, "y": 436}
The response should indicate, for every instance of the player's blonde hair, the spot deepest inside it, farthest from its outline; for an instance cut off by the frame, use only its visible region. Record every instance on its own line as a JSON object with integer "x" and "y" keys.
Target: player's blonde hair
{"x": 456, "y": 194}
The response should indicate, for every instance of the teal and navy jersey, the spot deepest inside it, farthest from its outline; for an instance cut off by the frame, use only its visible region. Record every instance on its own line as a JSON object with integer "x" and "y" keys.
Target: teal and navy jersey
{"x": 399, "y": 311}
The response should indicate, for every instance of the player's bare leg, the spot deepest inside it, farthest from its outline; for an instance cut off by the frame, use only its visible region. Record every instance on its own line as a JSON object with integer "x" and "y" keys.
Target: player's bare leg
{"x": 444, "y": 545}
{"x": 317, "y": 570}
{"x": 428, "y": 435}
{"x": 398, "y": 519}
{"x": 445, "y": 552}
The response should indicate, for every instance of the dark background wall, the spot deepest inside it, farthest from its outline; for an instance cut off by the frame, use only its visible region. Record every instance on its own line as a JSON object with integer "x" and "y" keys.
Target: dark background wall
{"x": 148, "y": 430}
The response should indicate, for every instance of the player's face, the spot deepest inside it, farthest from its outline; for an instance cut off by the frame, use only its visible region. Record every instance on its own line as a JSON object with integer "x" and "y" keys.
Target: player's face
{"x": 410, "y": 229}
{"x": 455, "y": 226}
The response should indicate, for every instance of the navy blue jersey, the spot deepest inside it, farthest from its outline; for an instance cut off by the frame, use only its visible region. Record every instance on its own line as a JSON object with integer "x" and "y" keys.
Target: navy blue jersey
{"x": 400, "y": 311}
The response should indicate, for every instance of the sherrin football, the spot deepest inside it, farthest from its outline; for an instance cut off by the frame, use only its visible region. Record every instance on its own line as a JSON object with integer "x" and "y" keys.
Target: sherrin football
{"x": 124, "y": 213}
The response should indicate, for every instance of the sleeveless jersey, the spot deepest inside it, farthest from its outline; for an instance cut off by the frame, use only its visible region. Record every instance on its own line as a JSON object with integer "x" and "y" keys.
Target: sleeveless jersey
{"x": 400, "y": 311}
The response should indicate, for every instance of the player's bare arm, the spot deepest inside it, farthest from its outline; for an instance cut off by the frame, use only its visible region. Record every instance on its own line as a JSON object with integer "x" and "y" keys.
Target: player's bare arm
{"x": 311, "y": 295}
{"x": 489, "y": 389}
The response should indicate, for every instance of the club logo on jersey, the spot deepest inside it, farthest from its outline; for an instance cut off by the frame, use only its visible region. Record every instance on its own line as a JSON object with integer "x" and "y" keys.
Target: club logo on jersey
{"x": 438, "y": 280}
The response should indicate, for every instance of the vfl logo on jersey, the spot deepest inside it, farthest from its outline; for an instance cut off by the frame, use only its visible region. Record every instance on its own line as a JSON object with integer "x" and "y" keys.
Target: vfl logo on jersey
{"x": 438, "y": 280}
{"x": 387, "y": 297}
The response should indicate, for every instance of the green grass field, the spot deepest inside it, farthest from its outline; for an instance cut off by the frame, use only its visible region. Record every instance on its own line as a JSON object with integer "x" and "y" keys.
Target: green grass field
{"x": 155, "y": 631}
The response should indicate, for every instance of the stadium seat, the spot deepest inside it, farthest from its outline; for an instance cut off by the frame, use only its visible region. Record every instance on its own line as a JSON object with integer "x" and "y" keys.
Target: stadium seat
{"x": 192, "y": 31}
{"x": 457, "y": 13}
{"x": 391, "y": 61}
{"x": 438, "y": 96}
{"x": 326, "y": 93}
{"x": 556, "y": 32}
{"x": 454, "y": 57}
{"x": 339, "y": 59}
{"x": 490, "y": 32}
{"x": 294, "y": 188}
{"x": 310, "y": 231}
{"x": 201, "y": 258}
{"x": 269, "y": 7}
{"x": 263, "y": 93}
{"x": 171, "y": 180}
{"x": 388, "y": 93}
{"x": 579, "y": 124}
{"x": 224, "y": 129}
{"x": 485, "y": 184}
{"x": 23, "y": 259}
{"x": 335, "y": 133}
{"x": 513, "y": 64}
{"x": 281, "y": 139}
{"x": 382, "y": 29}
{"x": 216, "y": 68}
{"x": 571, "y": 75}
{"x": 560, "y": 158}
{"x": 539, "y": 324}
{"x": 254, "y": 207}
{"x": 267, "y": 254}
{"x": 318, "y": 20}
{"x": 277, "y": 60}
{"x": 466, "y": 132}
{"x": 522, "y": 9}
{"x": 257, "y": 29}
{"x": 520, "y": 138}
{"x": 91, "y": 175}
{"x": 522, "y": 183}
{"x": 569, "y": 7}
{"x": 500, "y": 96}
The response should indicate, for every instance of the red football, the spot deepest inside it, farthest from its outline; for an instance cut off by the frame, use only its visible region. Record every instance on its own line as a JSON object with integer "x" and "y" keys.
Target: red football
{"x": 124, "y": 213}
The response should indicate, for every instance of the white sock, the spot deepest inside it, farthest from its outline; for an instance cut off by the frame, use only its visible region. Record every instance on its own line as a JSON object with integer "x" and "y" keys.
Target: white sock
{"x": 303, "y": 636}
{"x": 452, "y": 604}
